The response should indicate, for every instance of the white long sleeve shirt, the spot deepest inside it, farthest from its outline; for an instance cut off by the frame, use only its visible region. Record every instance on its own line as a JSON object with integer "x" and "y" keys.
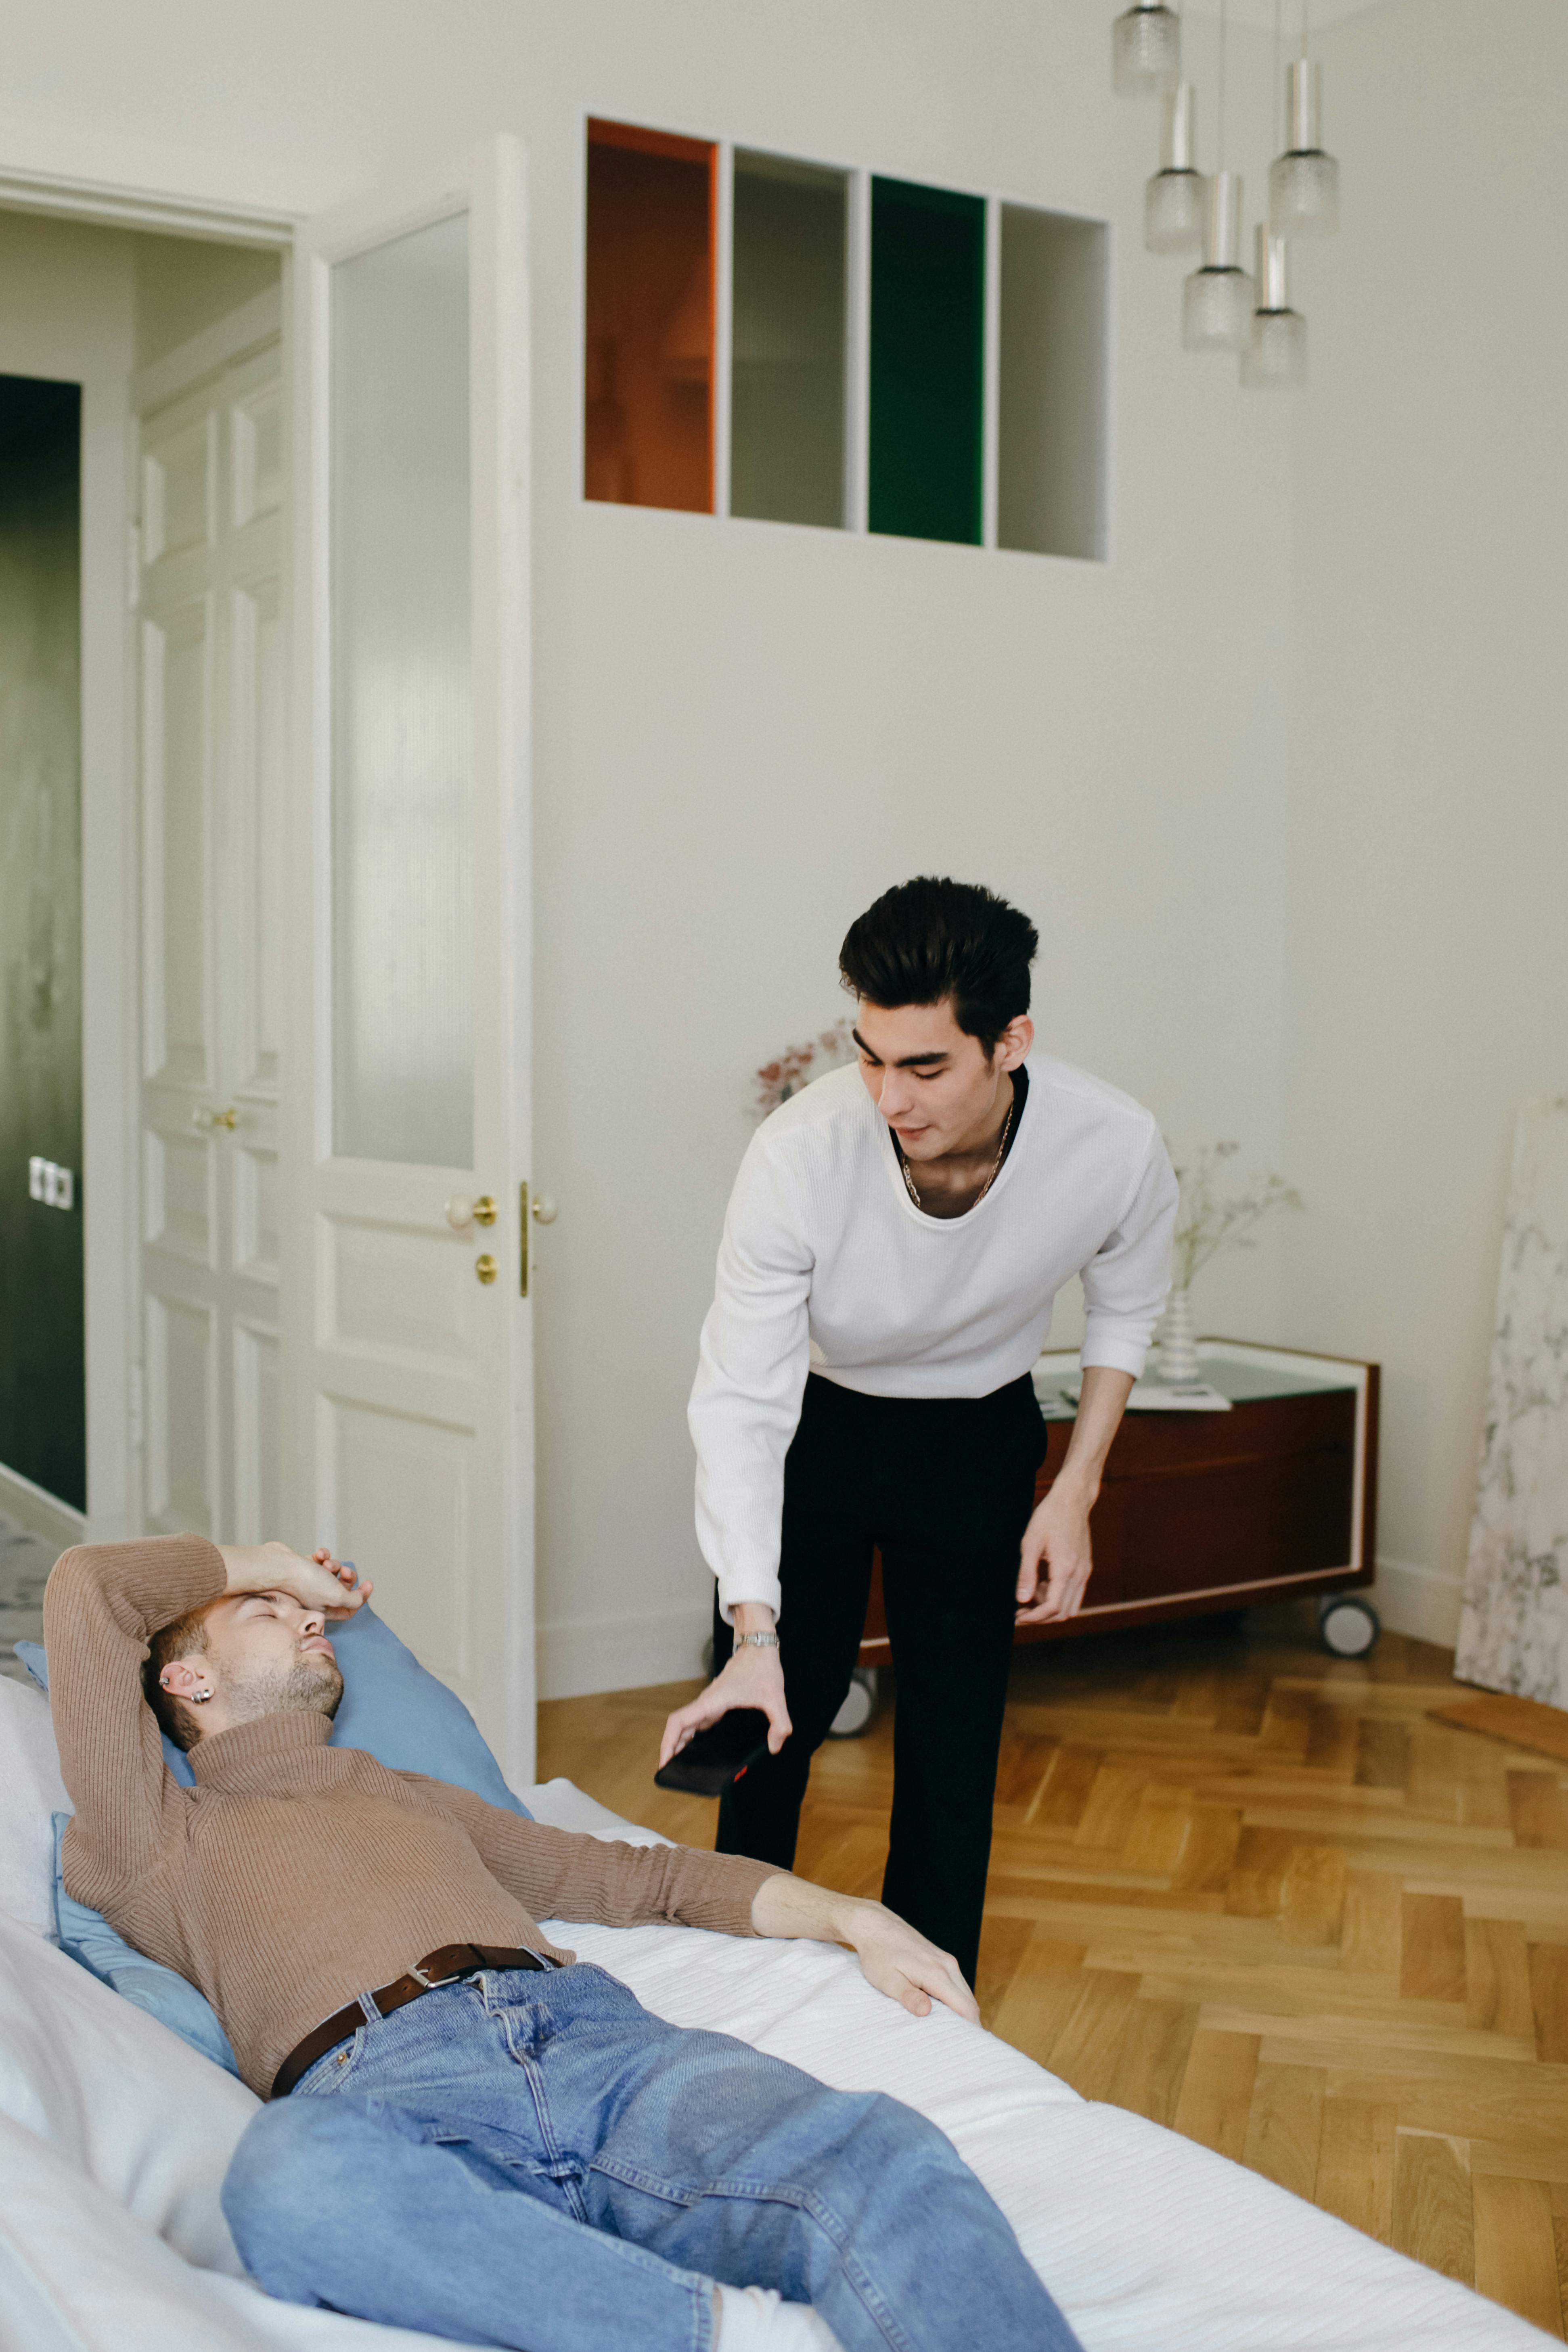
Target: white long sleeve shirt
{"x": 826, "y": 1266}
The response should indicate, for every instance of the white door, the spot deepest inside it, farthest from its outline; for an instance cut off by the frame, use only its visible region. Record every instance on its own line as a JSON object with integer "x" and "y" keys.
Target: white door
{"x": 408, "y": 1333}
{"x": 212, "y": 771}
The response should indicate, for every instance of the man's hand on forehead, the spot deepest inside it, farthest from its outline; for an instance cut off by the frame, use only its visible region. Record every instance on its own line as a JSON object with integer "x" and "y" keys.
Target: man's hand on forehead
{"x": 321, "y": 1582}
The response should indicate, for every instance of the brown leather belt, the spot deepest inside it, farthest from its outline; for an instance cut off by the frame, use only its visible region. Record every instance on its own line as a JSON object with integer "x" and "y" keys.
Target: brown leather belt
{"x": 446, "y": 1965}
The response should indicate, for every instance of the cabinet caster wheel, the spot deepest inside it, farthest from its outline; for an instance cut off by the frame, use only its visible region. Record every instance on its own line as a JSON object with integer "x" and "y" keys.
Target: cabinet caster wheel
{"x": 1348, "y": 1626}
{"x": 854, "y": 1717}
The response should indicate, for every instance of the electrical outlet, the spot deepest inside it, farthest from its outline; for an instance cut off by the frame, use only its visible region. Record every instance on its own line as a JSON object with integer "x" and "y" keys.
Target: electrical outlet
{"x": 50, "y": 1183}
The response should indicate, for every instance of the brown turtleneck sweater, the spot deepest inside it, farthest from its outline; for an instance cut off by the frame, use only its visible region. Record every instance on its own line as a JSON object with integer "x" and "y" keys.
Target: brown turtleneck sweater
{"x": 293, "y": 1876}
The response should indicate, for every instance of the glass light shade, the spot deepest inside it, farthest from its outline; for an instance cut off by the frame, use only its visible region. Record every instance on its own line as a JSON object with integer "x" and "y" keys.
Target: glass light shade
{"x": 1218, "y": 301}
{"x": 1174, "y": 212}
{"x": 1304, "y": 182}
{"x": 1274, "y": 359}
{"x": 1174, "y": 198}
{"x": 1216, "y": 310}
{"x": 1146, "y": 50}
{"x": 1304, "y": 194}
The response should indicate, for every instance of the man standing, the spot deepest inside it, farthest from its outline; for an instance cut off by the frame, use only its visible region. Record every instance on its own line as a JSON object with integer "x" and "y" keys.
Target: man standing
{"x": 894, "y": 1244}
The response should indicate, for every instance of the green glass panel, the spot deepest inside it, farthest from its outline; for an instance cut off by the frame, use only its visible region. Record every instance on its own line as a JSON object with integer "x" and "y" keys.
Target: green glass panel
{"x": 43, "y": 1407}
{"x": 928, "y": 360}
{"x": 787, "y": 377}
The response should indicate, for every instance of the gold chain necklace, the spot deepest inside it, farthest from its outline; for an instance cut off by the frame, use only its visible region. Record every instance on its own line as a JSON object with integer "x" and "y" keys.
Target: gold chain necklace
{"x": 995, "y": 1165}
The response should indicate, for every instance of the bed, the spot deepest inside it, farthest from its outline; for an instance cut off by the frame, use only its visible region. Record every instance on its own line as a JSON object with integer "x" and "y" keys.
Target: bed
{"x": 114, "y": 2135}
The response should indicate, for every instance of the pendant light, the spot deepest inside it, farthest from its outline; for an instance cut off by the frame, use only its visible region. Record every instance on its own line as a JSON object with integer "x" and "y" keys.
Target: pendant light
{"x": 1274, "y": 359}
{"x": 1304, "y": 182}
{"x": 1173, "y": 198}
{"x": 1145, "y": 50}
{"x": 1218, "y": 301}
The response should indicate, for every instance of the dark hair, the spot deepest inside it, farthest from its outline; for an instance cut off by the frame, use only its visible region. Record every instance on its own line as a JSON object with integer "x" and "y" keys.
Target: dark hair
{"x": 931, "y": 939}
{"x": 186, "y": 1635}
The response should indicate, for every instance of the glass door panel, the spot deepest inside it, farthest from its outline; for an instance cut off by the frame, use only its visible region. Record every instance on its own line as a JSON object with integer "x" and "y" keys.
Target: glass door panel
{"x": 402, "y": 702}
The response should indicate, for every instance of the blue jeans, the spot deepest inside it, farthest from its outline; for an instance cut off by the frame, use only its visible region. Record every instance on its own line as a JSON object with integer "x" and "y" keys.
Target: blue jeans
{"x": 640, "y": 2162}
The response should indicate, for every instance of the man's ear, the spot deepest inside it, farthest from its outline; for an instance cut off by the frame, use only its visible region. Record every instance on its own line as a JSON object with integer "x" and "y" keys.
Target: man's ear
{"x": 1012, "y": 1046}
{"x": 181, "y": 1677}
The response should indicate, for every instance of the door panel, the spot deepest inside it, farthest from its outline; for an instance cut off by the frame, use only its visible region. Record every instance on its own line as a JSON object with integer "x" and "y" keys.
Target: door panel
{"x": 408, "y": 1339}
{"x": 214, "y": 735}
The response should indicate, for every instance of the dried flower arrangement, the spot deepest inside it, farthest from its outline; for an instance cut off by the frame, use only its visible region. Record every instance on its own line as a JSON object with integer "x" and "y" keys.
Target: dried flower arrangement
{"x": 796, "y": 1066}
{"x": 1209, "y": 1221}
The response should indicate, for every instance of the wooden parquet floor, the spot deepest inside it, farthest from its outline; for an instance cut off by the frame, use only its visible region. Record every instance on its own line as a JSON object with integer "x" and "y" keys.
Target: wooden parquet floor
{"x": 1256, "y": 1894}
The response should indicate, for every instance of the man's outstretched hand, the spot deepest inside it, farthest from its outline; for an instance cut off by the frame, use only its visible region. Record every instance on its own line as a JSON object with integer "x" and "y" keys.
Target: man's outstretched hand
{"x": 320, "y": 1583}
{"x": 893, "y": 1957}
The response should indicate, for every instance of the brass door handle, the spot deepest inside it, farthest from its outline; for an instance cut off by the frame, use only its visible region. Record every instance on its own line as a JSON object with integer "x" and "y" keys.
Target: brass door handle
{"x": 229, "y": 1118}
{"x": 461, "y": 1210}
{"x": 485, "y": 1268}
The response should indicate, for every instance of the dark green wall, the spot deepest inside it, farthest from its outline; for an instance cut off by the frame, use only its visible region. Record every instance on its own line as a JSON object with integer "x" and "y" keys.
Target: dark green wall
{"x": 43, "y": 1417}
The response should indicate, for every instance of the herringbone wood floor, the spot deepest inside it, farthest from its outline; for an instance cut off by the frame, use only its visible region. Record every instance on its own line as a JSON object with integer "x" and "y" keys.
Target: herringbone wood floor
{"x": 1254, "y": 1893}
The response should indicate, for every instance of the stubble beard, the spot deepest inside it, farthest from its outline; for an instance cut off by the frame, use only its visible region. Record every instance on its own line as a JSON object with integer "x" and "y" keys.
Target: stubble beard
{"x": 311, "y": 1686}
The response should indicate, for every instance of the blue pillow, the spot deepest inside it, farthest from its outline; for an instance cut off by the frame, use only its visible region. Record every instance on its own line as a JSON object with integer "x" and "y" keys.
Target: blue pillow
{"x": 392, "y": 1709}
{"x": 87, "y": 1937}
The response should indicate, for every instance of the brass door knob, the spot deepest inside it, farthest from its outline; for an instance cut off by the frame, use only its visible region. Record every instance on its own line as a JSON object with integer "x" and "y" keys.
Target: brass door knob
{"x": 485, "y": 1268}
{"x": 211, "y": 1118}
{"x": 484, "y": 1210}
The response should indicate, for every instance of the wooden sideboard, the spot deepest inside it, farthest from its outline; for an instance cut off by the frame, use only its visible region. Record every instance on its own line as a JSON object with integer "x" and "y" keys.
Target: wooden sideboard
{"x": 1205, "y": 1511}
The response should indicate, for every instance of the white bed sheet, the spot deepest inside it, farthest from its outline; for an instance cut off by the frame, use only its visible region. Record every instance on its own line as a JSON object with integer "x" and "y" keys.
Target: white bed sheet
{"x": 113, "y": 2139}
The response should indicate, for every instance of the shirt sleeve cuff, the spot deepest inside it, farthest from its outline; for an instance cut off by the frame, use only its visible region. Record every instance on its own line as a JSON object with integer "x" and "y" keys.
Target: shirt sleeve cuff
{"x": 736, "y": 1591}
{"x": 1116, "y": 1355}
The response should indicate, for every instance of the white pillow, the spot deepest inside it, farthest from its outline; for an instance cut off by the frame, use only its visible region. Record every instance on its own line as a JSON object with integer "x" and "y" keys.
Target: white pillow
{"x": 118, "y": 2095}
{"x": 30, "y": 1791}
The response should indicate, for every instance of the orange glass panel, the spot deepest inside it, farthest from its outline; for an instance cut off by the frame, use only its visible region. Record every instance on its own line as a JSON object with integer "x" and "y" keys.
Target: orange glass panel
{"x": 647, "y": 406}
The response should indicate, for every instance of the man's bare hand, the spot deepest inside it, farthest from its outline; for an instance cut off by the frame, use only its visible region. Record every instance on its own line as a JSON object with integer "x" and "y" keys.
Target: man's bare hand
{"x": 893, "y": 1957}
{"x": 752, "y": 1678}
{"x": 1056, "y": 1538}
{"x": 320, "y": 1583}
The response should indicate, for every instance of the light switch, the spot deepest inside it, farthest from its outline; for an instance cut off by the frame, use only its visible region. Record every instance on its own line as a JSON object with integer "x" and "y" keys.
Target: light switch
{"x": 64, "y": 1193}
{"x": 35, "y": 1167}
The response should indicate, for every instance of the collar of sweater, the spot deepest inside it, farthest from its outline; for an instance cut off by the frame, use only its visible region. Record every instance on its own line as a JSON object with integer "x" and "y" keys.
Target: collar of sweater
{"x": 249, "y": 1756}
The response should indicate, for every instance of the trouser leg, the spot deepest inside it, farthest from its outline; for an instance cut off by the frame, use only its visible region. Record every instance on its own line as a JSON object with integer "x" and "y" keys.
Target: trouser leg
{"x": 348, "y": 2204}
{"x": 736, "y": 2164}
{"x": 825, "y": 1570}
{"x": 949, "y": 1567}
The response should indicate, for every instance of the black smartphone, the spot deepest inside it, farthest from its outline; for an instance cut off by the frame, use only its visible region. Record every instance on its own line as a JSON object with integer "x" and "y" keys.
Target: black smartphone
{"x": 713, "y": 1758}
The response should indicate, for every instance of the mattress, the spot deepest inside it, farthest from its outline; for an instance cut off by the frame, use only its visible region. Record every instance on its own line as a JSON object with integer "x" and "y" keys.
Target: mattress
{"x": 114, "y": 2135}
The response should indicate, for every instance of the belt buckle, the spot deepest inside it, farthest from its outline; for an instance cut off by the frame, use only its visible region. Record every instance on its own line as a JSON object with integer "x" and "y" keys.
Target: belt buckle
{"x": 434, "y": 1984}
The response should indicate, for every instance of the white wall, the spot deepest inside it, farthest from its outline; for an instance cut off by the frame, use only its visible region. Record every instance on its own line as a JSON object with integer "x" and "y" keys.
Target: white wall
{"x": 1430, "y": 820}
{"x": 746, "y": 731}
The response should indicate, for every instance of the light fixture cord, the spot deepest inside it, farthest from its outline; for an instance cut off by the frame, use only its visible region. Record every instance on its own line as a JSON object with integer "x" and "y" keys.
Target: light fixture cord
{"x": 1304, "y": 36}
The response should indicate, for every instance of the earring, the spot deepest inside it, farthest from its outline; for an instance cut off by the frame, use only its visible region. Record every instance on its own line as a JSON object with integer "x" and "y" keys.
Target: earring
{"x": 200, "y": 1698}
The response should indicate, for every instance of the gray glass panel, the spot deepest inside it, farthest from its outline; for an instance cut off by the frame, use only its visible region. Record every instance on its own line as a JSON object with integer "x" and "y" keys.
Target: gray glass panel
{"x": 787, "y": 359}
{"x": 1052, "y": 391}
{"x": 402, "y": 702}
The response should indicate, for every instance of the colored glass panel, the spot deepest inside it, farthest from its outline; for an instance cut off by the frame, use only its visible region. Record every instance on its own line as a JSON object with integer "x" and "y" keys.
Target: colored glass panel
{"x": 1051, "y": 393}
{"x": 648, "y": 408}
{"x": 928, "y": 344}
{"x": 787, "y": 382}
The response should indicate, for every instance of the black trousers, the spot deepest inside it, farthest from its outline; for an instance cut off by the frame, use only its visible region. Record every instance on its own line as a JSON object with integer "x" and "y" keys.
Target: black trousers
{"x": 945, "y": 1488}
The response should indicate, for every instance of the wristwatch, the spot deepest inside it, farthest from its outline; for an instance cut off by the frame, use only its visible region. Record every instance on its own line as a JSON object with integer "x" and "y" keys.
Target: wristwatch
{"x": 757, "y": 1640}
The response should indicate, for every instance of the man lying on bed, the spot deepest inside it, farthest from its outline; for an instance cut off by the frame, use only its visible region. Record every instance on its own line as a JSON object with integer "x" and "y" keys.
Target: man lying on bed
{"x": 669, "y": 2186}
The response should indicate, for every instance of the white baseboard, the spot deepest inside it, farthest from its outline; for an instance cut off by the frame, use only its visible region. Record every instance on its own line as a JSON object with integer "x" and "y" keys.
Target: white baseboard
{"x": 1418, "y": 1601}
{"x": 605, "y": 1653}
{"x": 43, "y": 1515}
